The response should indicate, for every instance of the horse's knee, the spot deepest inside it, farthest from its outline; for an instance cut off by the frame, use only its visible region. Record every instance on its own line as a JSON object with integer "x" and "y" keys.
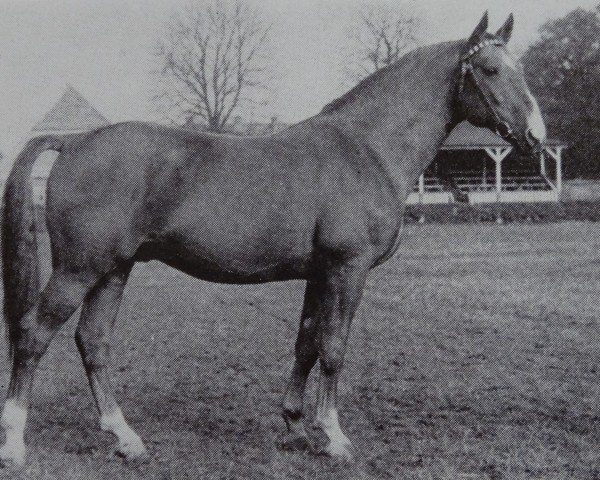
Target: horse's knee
{"x": 307, "y": 349}
{"x": 332, "y": 348}
{"x": 332, "y": 359}
{"x": 307, "y": 353}
{"x": 32, "y": 338}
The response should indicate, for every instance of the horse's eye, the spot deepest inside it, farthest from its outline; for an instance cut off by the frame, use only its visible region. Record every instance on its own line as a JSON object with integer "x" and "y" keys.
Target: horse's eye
{"x": 490, "y": 70}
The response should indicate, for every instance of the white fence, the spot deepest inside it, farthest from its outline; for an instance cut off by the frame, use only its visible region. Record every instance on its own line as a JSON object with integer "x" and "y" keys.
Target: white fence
{"x": 519, "y": 188}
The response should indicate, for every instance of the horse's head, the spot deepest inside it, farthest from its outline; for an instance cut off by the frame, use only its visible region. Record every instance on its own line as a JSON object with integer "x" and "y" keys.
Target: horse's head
{"x": 492, "y": 91}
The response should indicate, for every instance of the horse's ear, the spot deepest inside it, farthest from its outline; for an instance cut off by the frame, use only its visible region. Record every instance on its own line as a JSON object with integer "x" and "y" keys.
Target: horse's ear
{"x": 505, "y": 31}
{"x": 479, "y": 29}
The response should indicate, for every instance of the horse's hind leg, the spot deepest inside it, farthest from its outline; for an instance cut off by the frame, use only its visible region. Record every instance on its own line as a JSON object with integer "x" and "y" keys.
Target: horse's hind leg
{"x": 63, "y": 294}
{"x": 307, "y": 352}
{"x": 93, "y": 336}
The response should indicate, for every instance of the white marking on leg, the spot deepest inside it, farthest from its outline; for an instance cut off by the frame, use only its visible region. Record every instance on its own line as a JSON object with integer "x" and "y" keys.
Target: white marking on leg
{"x": 327, "y": 419}
{"x": 130, "y": 444}
{"x": 330, "y": 423}
{"x": 13, "y": 421}
{"x": 535, "y": 121}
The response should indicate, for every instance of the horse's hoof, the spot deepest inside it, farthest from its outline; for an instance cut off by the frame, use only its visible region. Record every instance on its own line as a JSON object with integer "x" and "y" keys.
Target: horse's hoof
{"x": 133, "y": 451}
{"x": 333, "y": 443}
{"x": 295, "y": 442}
{"x": 12, "y": 455}
{"x": 343, "y": 450}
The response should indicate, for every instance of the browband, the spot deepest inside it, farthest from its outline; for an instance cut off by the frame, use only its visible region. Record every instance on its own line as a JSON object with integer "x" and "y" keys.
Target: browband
{"x": 478, "y": 46}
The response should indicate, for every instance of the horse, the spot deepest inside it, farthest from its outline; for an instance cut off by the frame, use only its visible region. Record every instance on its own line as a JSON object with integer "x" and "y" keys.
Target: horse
{"x": 321, "y": 201}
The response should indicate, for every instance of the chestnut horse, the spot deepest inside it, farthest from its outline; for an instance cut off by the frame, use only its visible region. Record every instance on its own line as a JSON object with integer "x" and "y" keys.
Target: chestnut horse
{"x": 320, "y": 201}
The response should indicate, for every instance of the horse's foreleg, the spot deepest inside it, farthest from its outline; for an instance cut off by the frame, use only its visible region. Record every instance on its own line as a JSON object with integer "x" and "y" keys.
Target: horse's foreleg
{"x": 307, "y": 352}
{"x": 341, "y": 298}
{"x": 61, "y": 297}
{"x": 93, "y": 337}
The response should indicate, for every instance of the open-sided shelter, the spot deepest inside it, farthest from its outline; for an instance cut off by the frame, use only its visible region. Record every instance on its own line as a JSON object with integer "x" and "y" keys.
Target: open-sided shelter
{"x": 485, "y": 166}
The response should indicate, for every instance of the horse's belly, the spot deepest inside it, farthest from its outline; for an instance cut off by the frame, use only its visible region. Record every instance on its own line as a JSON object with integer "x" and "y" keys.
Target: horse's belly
{"x": 231, "y": 262}
{"x": 236, "y": 234}
{"x": 238, "y": 273}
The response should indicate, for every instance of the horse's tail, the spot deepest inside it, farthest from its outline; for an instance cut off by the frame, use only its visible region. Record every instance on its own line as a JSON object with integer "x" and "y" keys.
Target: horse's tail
{"x": 19, "y": 242}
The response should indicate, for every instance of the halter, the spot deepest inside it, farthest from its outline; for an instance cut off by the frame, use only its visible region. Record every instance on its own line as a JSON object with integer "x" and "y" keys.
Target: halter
{"x": 501, "y": 127}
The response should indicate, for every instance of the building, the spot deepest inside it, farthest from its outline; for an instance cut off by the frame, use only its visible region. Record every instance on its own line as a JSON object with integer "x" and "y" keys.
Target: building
{"x": 72, "y": 113}
{"x": 484, "y": 166}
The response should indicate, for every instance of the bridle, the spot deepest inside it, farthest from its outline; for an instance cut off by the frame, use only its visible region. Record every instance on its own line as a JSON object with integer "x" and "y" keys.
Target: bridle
{"x": 501, "y": 127}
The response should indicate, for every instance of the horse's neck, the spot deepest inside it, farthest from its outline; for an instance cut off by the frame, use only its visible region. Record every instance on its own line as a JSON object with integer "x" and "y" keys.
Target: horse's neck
{"x": 405, "y": 115}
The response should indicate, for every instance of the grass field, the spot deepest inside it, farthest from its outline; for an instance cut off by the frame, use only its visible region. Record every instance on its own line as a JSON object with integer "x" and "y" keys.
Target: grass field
{"x": 475, "y": 355}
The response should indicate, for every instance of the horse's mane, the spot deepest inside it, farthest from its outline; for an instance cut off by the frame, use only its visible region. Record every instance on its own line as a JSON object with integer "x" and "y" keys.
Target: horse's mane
{"x": 426, "y": 51}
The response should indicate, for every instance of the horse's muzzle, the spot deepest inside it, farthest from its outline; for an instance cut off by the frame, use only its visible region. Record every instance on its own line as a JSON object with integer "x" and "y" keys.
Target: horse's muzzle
{"x": 534, "y": 143}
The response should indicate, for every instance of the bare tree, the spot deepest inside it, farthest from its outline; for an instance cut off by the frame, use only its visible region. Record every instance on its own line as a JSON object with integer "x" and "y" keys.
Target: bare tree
{"x": 379, "y": 36}
{"x": 212, "y": 62}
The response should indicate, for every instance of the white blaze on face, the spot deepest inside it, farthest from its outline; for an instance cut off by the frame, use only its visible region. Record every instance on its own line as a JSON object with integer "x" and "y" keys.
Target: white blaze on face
{"x": 535, "y": 122}
{"x": 509, "y": 60}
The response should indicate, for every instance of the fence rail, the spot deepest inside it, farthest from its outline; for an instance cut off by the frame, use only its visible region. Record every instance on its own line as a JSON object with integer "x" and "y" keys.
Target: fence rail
{"x": 488, "y": 184}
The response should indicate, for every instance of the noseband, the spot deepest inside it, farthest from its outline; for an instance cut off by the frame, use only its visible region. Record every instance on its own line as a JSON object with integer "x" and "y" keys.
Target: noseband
{"x": 501, "y": 127}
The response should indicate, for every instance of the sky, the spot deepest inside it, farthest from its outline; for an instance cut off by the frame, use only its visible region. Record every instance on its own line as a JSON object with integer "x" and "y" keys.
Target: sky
{"x": 104, "y": 49}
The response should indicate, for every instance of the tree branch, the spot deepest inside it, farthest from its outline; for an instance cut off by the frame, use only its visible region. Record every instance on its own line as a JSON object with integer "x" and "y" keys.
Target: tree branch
{"x": 212, "y": 60}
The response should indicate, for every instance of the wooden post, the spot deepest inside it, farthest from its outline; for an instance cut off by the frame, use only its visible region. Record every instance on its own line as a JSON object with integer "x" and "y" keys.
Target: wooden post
{"x": 556, "y": 154}
{"x": 559, "y": 169}
{"x": 484, "y": 174}
{"x": 498, "y": 154}
{"x": 421, "y": 196}
{"x": 543, "y": 164}
{"x": 421, "y": 187}
{"x": 498, "y": 179}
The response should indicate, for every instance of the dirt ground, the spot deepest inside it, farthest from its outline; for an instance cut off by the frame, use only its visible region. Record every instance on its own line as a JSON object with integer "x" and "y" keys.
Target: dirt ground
{"x": 475, "y": 355}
